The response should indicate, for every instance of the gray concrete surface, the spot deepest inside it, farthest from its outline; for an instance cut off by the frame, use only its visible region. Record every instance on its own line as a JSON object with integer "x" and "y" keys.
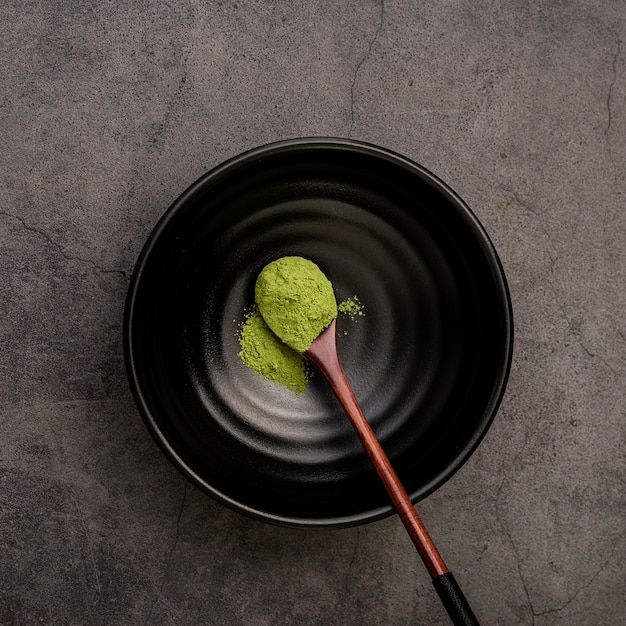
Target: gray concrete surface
{"x": 110, "y": 109}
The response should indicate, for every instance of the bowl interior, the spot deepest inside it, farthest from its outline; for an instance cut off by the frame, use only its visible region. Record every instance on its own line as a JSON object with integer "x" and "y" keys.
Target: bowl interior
{"x": 428, "y": 361}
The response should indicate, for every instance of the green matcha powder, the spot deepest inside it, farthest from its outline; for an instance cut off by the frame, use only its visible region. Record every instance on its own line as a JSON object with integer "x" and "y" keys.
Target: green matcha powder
{"x": 294, "y": 300}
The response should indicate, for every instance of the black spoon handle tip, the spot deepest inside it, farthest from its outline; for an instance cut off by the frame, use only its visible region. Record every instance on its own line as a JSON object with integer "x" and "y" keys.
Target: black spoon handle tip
{"x": 454, "y": 601}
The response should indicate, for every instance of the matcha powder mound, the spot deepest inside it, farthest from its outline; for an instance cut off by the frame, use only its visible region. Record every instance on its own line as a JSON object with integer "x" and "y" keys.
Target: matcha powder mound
{"x": 267, "y": 355}
{"x": 296, "y": 300}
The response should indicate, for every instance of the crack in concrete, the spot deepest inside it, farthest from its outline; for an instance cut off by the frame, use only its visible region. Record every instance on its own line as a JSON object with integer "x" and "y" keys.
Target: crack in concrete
{"x": 92, "y": 558}
{"x": 350, "y": 568}
{"x": 361, "y": 62}
{"x": 168, "y": 560}
{"x": 163, "y": 125}
{"x": 553, "y": 256}
{"x": 576, "y": 334}
{"x": 516, "y": 199}
{"x": 534, "y": 613}
{"x": 507, "y": 532}
{"x": 345, "y": 590}
{"x": 42, "y": 233}
{"x": 583, "y": 587}
{"x": 609, "y": 108}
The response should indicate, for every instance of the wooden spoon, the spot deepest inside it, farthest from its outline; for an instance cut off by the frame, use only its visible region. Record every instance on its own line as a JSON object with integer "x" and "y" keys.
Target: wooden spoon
{"x": 298, "y": 304}
{"x": 323, "y": 354}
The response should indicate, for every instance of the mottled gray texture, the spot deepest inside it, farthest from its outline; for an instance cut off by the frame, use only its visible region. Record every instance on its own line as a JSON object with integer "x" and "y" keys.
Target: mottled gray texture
{"x": 110, "y": 109}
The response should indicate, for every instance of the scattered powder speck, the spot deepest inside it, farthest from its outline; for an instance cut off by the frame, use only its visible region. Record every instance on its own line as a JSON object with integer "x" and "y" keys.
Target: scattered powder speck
{"x": 351, "y": 307}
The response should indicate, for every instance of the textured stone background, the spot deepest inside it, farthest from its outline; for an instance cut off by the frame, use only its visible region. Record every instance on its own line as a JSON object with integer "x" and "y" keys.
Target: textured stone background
{"x": 110, "y": 109}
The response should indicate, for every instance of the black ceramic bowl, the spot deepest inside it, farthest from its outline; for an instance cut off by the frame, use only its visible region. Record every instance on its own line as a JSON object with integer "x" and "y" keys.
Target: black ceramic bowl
{"x": 428, "y": 361}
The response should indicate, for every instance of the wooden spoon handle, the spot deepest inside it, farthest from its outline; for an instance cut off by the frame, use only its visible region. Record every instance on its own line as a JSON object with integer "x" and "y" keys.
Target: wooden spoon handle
{"x": 323, "y": 354}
